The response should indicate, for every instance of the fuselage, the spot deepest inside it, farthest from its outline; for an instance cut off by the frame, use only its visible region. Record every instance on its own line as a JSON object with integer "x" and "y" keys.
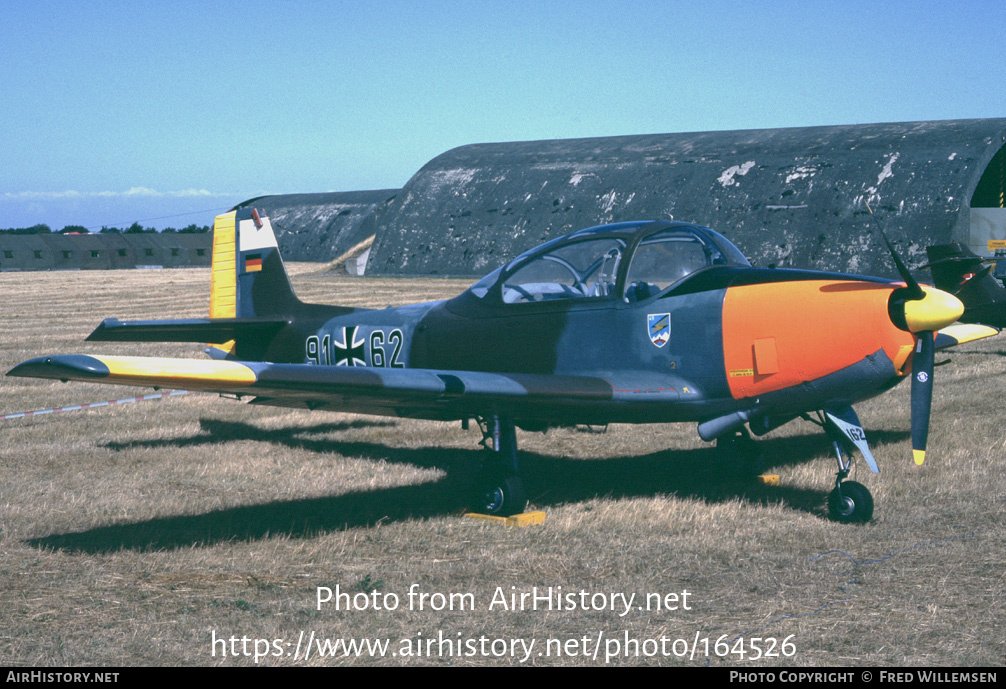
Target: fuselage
{"x": 722, "y": 336}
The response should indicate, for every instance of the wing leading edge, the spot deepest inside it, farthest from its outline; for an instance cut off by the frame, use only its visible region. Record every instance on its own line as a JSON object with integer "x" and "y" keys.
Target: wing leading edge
{"x": 391, "y": 391}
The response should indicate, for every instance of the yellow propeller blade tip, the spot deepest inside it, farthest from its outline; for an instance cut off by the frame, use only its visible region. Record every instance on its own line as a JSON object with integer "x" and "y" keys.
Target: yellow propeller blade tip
{"x": 920, "y": 456}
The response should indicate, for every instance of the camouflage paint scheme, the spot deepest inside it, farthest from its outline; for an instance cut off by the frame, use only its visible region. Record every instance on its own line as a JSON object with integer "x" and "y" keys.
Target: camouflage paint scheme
{"x": 689, "y": 332}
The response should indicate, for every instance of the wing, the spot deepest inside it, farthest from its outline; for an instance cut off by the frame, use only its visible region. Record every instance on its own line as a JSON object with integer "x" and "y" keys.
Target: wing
{"x": 962, "y": 333}
{"x": 421, "y": 393}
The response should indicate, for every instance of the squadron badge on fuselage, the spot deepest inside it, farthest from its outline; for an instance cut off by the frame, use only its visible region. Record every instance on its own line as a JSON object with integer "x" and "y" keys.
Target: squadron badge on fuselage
{"x": 658, "y": 326}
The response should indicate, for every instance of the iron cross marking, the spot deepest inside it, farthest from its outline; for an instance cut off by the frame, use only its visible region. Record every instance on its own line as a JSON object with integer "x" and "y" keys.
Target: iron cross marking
{"x": 349, "y": 352}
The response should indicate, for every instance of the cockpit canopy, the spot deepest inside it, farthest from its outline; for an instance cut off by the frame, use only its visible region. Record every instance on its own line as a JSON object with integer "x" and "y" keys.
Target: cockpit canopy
{"x": 632, "y": 261}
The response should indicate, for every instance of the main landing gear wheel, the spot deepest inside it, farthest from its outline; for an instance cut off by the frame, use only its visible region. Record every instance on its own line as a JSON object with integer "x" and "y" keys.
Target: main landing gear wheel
{"x": 499, "y": 490}
{"x": 500, "y": 497}
{"x": 850, "y": 503}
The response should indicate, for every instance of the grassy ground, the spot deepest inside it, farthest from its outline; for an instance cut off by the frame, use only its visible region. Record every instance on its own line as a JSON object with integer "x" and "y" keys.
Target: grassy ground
{"x": 139, "y": 534}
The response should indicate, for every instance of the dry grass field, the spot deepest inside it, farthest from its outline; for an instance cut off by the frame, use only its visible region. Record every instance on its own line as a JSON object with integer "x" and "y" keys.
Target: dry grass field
{"x": 197, "y": 530}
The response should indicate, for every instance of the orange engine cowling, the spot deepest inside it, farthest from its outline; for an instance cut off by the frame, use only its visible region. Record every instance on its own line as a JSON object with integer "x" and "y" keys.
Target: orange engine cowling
{"x": 780, "y": 334}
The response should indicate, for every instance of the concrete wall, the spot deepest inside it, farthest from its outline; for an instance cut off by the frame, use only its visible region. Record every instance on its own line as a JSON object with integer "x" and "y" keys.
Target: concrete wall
{"x": 788, "y": 197}
{"x": 320, "y": 227}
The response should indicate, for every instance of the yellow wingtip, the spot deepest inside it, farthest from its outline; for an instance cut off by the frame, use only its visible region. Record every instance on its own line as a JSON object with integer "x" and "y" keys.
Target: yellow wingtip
{"x": 192, "y": 374}
{"x": 968, "y": 332}
{"x": 920, "y": 456}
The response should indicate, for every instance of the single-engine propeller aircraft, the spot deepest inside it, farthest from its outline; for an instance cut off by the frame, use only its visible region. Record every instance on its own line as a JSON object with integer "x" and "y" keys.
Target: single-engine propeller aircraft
{"x": 634, "y": 322}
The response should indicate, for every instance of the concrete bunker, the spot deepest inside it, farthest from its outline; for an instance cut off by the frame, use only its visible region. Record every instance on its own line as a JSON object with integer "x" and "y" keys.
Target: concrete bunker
{"x": 797, "y": 197}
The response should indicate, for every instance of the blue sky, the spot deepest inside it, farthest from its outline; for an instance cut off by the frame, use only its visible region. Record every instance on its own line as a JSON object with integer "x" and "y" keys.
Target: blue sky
{"x": 169, "y": 112}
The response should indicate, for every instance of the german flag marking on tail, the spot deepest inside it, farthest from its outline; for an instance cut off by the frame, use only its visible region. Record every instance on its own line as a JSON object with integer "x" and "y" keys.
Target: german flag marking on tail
{"x": 253, "y": 263}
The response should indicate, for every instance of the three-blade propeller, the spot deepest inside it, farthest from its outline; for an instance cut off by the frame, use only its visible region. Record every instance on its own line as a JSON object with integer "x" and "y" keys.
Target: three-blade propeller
{"x": 921, "y": 311}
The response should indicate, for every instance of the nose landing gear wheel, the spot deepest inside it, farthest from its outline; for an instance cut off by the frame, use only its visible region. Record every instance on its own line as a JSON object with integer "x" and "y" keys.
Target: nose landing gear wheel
{"x": 850, "y": 503}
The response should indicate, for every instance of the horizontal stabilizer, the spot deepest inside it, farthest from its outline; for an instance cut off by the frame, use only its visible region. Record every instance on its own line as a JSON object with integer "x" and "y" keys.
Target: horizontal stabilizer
{"x": 190, "y": 330}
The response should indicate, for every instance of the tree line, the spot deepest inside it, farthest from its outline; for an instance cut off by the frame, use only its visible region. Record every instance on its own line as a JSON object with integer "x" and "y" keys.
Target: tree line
{"x": 135, "y": 228}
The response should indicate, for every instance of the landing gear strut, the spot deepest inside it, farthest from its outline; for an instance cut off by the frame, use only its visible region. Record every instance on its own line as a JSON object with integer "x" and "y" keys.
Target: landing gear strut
{"x": 498, "y": 489}
{"x": 849, "y": 502}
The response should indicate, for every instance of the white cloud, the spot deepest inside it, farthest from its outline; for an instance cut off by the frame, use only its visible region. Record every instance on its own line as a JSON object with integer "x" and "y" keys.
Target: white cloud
{"x": 133, "y": 192}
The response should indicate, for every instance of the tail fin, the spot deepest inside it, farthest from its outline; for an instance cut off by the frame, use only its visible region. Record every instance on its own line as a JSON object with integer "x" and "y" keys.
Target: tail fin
{"x": 958, "y": 270}
{"x": 251, "y": 300}
{"x": 952, "y": 265}
{"x": 248, "y": 278}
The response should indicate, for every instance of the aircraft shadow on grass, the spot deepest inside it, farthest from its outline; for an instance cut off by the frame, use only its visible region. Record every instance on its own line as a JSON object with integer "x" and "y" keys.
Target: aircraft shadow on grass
{"x": 700, "y": 473}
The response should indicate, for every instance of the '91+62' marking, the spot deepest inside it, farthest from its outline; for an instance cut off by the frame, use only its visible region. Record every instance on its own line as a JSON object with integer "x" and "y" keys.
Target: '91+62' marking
{"x": 351, "y": 350}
